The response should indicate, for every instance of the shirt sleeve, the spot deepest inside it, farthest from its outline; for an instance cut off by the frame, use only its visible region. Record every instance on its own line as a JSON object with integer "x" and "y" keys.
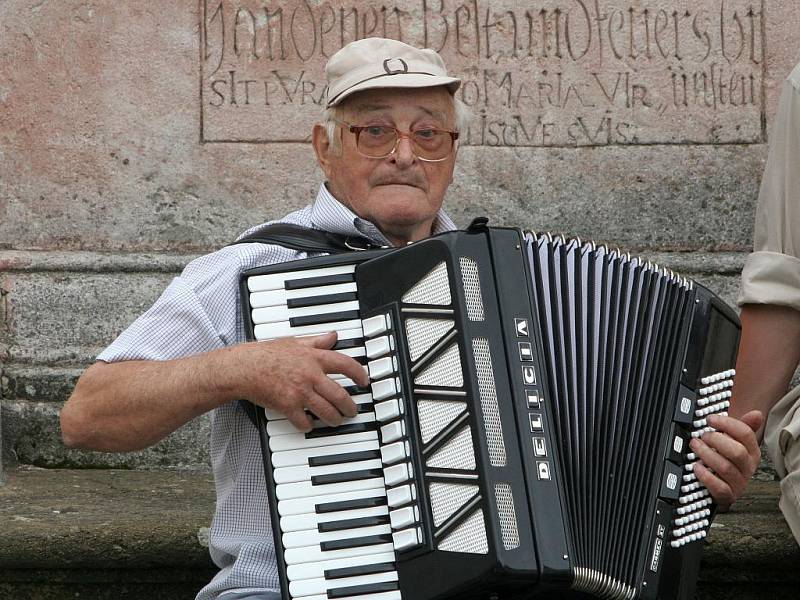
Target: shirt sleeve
{"x": 198, "y": 312}
{"x": 771, "y": 273}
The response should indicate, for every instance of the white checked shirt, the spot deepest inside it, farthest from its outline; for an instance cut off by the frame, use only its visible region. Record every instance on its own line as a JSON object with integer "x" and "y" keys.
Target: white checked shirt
{"x": 198, "y": 312}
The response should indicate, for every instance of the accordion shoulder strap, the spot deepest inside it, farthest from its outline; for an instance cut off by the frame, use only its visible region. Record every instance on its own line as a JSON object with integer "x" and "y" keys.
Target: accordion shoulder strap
{"x": 306, "y": 239}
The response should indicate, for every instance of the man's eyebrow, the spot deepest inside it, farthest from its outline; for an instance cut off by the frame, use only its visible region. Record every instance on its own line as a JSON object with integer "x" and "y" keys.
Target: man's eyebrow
{"x": 364, "y": 108}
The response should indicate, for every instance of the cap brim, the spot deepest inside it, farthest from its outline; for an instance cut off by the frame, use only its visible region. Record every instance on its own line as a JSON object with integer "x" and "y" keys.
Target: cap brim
{"x": 404, "y": 80}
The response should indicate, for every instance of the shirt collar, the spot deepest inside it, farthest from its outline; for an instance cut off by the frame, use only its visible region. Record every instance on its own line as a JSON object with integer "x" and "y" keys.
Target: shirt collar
{"x": 329, "y": 214}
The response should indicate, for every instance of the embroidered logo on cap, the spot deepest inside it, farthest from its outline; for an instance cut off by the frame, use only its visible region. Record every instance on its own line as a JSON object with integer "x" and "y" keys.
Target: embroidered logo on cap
{"x": 389, "y": 70}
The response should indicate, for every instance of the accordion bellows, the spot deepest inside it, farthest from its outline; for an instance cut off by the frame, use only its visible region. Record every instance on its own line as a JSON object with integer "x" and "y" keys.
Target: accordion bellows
{"x": 526, "y": 430}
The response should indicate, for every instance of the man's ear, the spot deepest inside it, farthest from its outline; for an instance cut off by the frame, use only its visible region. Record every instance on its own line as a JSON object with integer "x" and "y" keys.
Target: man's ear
{"x": 322, "y": 148}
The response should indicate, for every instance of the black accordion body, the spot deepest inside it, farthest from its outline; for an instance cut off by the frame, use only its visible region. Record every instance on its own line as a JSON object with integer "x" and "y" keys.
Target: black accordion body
{"x": 526, "y": 430}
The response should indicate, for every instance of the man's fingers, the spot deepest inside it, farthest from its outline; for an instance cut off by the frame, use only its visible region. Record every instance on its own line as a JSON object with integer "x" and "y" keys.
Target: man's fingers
{"x": 336, "y": 362}
{"x": 726, "y": 457}
{"x": 736, "y": 428}
{"x": 324, "y": 410}
{"x": 300, "y": 419}
{"x": 326, "y": 341}
{"x": 337, "y": 396}
{"x": 721, "y": 491}
{"x": 754, "y": 419}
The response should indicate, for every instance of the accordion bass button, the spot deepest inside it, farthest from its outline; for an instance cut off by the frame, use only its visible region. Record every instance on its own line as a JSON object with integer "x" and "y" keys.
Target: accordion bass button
{"x": 401, "y": 495}
{"x": 388, "y": 410}
{"x": 379, "y": 346}
{"x": 407, "y": 538}
{"x": 376, "y": 325}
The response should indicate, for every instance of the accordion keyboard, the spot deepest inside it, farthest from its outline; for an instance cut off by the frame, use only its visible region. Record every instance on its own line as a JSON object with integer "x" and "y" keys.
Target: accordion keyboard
{"x": 335, "y": 518}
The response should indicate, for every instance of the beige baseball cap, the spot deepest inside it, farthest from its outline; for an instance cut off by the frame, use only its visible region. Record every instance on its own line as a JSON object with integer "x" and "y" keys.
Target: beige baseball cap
{"x": 383, "y": 63}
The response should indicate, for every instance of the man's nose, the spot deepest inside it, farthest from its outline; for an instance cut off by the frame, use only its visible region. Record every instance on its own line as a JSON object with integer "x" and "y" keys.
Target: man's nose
{"x": 404, "y": 152}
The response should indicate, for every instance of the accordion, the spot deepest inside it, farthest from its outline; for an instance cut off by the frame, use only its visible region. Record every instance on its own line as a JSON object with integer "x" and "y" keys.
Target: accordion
{"x": 525, "y": 432}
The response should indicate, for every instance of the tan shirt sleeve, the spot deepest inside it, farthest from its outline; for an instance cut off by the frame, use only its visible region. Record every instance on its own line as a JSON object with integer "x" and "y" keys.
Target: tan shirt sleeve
{"x": 771, "y": 273}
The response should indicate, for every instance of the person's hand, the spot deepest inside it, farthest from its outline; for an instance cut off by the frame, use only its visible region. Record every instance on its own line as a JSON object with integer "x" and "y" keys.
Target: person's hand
{"x": 290, "y": 376}
{"x": 729, "y": 456}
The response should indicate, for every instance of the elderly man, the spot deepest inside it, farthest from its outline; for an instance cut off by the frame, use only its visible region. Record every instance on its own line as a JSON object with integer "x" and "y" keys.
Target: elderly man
{"x": 387, "y": 147}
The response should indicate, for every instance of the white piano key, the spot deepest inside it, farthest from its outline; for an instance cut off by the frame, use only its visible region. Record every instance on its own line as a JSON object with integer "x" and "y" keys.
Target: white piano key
{"x": 388, "y": 410}
{"x": 401, "y": 495}
{"x": 379, "y": 346}
{"x": 313, "y": 570}
{"x": 301, "y": 473}
{"x": 275, "y": 314}
{"x": 296, "y": 441}
{"x": 308, "y": 587}
{"x": 404, "y": 517}
{"x": 284, "y": 426}
{"x": 391, "y": 432}
{"x": 407, "y": 538}
{"x": 313, "y": 554}
{"x": 305, "y": 489}
{"x": 397, "y": 474}
{"x": 353, "y": 352}
{"x": 393, "y": 595}
{"x": 376, "y": 325}
{"x": 385, "y": 388}
{"x": 301, "y": 455}
{"x": 311, "y": 520}
{"x": 382, "y": 367}
{"x": 395, "y": 452}
{"x": 281, "y": 296}
{"x": 311, "y": 537}
{"x": 282, "y": 329}
{"x": 277, "y": 281}
{"x": 298, "y": 506}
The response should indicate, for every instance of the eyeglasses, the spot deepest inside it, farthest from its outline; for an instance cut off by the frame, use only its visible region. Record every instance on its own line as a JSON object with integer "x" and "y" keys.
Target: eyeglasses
{"x": 380, "y": 141}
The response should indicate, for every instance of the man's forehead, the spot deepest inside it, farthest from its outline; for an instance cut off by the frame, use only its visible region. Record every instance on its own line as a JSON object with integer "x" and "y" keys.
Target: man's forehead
{"x": 434, "y": 102}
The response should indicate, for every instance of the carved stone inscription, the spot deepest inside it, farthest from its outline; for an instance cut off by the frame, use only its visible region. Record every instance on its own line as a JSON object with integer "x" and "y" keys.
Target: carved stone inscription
{"x": 538, "y": 73}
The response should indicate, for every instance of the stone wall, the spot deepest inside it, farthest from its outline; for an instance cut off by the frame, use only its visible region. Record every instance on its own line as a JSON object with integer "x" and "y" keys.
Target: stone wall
{"x": 136, "y": 135}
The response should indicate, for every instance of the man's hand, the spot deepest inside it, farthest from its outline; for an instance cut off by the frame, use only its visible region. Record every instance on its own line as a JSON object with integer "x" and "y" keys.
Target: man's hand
{"x": 291, "y": 376}
{"x": 731, "y": 452}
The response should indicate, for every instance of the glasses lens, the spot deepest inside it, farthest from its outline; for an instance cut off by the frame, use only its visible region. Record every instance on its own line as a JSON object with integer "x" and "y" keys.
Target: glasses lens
{"x": 432, "y": 144}
{"x": 377, "y": 141}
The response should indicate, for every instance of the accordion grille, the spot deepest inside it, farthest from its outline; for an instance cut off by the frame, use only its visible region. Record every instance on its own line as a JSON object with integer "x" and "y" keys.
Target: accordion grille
{"x": 472, "y": 288}
{"x": 468, "y": 537}
{"x": 508, "y": 518}
{"x": 458, "y": 453}
{"x": 434, "y": 288}
{"x": 422, "y": 334}
{"x": 435, "y": 415}
{"x": 489, "y": 408}
{"x": 445, "y": 371}
{"x": 447, "y": 498}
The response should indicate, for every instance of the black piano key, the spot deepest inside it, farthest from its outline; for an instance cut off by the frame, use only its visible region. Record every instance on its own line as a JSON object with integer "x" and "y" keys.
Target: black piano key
{"x": 346, "y": 476}
{"x": 355, "y": 390}
{"x": 299, "y": 284}
{"x": 324, "y": 299}
{"x": 341, "y": 430}
{"x": 359, "y": 590}
{"x": 360, "y": 570}
{"x": 352, "y": 523}
{"x": 367, "y": 540}
{"x": 328, "y": 507}
{"x": 350, "y": 343}
{"x": 335, "y": 459}
{"x": 347, "y": 315}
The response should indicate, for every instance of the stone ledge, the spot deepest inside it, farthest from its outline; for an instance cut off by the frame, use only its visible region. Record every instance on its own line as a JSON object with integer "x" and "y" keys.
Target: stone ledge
{"x": 136, "y": 534}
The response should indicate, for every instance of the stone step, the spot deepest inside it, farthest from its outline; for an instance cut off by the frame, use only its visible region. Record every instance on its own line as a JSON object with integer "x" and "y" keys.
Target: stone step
{"x": 115, "y": 534}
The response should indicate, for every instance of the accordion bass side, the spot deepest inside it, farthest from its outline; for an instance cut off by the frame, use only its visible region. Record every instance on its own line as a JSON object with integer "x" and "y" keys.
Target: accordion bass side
{"x": 526, "y": 431}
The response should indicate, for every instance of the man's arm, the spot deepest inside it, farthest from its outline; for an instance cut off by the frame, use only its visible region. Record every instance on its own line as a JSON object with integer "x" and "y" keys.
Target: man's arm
{"x": 125, "y": 406}
{"x": 768, "y": 355}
